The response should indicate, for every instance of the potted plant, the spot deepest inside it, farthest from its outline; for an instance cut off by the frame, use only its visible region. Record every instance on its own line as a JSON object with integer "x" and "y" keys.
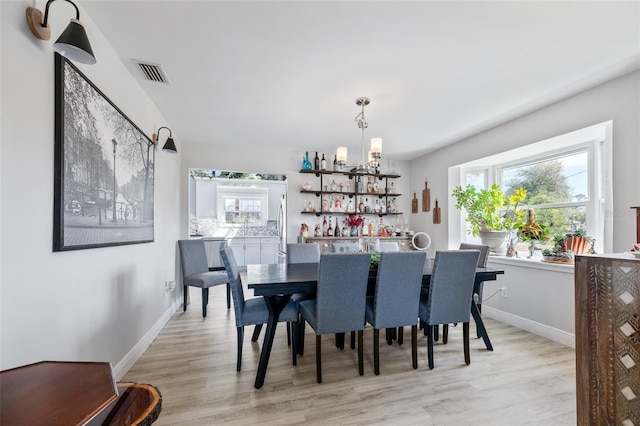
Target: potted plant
{"x": 491, "y": 215}
{"x": 532, "y": 232}
{"x": 566, "y": 246}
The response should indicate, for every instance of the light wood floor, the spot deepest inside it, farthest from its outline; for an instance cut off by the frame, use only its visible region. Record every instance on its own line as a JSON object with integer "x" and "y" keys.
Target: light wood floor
{"x": 526, "y": 380}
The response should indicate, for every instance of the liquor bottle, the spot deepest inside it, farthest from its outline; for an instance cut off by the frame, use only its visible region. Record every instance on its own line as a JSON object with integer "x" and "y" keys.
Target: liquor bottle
{"x": 372, "y": 228}
{"x": 359, "y": 186}
{"x": 367, "y": 206}
{"x": 350, "y": 208}
{"x": 365, "y": 229}
{"x": 323, "y": 163}
{"x": 376, "y": 207}
{"x": 338, "y": 204}
{"x": 316, "y": 162}
{"x": 335, "y": 163}
{"x": 324, "y": 227}
{"x": 330, "y": 229}
{"x": 336, "y": 232}
{"x": 381, "y": 228}
{"x": 369, "y": 185}
{"x": 361, "y": 206}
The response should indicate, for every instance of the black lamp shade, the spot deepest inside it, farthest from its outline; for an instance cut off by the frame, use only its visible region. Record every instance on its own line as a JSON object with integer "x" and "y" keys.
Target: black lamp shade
{"x": 170, "y": 146}
{"x": 73, "y": 43}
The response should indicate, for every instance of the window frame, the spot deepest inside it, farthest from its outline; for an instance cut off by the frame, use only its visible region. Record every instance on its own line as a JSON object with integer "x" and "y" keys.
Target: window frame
{"x": 595, "y": 140}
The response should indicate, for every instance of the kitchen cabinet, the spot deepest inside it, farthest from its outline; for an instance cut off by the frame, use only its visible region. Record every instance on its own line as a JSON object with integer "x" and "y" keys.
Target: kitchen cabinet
{"x": 254, "y": 250}
{"x": 377, "y": 190}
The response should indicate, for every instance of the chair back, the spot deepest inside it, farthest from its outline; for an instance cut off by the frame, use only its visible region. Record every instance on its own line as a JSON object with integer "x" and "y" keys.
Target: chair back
{"x": 235, "y": 282}
{"x": 388, "y": 246}
{"x": 193, "y": 257}
{"x": 213, "y": 248}
{"x": 303, "y": 253}
{"x": 341, "y": 292}
{"x": 451, "y": 286}
{"x": 346, "y": 247}
{"x": 484, "y": 252}
{"x": 397, "y": 295}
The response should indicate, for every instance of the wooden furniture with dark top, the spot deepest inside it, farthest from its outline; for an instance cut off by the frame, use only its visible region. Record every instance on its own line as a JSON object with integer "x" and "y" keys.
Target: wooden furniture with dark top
{"x": 607, "y": 308}
{"x": 74, "y": 393}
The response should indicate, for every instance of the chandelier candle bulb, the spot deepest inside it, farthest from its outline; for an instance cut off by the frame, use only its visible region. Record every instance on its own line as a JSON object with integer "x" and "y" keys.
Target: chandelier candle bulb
{"x": 376, "y": 147}
{"x": 341, "y": 155}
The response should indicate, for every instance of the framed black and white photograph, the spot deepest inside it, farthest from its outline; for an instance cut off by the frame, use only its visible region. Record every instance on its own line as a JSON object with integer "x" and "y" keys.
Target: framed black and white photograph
{"x": 103, "y": 171}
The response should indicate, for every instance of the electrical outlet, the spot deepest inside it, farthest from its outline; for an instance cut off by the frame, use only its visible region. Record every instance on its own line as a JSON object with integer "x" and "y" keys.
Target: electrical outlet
{"x": 169, "y": 286}
{"x": 504, "y": 291}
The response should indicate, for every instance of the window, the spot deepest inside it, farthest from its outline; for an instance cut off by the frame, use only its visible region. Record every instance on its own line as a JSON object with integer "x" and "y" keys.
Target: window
{"x": 564, "y": 177}
{"x": 242, "y": 205}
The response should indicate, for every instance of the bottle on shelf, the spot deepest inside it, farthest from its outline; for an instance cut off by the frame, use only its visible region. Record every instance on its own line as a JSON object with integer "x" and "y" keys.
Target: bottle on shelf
{"x": 337, "y": 204}
{"x": 359, "y": 186}
{"x": 336, "y": 232}
{"x": 335, "y": 163}
{"x": 316, "y": 162}
{"x": 323, "y": 163}
{"x": 324, "y": 227}
{"x": 350, "y": 207}
{"x": 365, "y": 229}
{"x": 381, "y": 228}
{"x": 306, "y": 164}
{"x": 367, "y": 206}
{"x": 369, "y": 185}
{"x": 376, "y": 207}
{"x": 330, "y": 229}
{"x": 372, "y": 228}
{"x": 361, "y": 206}
{"x": 334, "y": 186}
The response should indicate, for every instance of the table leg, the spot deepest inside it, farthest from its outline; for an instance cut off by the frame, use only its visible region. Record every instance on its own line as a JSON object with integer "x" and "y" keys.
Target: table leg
{"x": 275, "y": 304}
{"x": 480, "y": 325}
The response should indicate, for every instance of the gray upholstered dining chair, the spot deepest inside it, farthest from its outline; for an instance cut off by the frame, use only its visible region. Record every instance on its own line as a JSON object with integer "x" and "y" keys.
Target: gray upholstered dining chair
{"x": 196, "y": 272}
{"x": 482, "y": 263}
{"x": 346, "y": 247}
{"x": 303, "y": 253}
{"x": 250, "y": 311}
{"x": 449, "y": 296}
{"x": 396, "y": 298}
{"x": 340, "y": 301}
{"x": 388, "y": 246}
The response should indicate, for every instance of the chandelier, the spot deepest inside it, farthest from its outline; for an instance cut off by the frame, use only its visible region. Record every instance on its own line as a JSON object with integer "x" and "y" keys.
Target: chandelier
{"x": 371, "y": 165}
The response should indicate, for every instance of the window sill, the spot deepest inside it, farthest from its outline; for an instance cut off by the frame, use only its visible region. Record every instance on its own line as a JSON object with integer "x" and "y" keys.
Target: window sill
{"x": 531, "y": 263}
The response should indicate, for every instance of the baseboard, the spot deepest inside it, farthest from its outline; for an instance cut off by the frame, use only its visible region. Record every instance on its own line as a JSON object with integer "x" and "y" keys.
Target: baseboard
{"x": 138, "y": 349}
{"x": 543, "y": 330}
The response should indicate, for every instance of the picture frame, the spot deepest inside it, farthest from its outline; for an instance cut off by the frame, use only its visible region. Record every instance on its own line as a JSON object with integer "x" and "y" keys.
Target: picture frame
{"x": 103, "y": 168}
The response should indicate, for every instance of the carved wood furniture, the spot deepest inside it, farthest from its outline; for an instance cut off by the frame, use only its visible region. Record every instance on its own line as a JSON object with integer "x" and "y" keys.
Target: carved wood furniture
{"x": 607, "y": 306}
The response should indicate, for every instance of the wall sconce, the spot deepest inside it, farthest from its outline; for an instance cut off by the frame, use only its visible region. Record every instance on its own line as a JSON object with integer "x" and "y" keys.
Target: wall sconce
{"x": 73, "y": 43}
{"x": 169, "y": 145}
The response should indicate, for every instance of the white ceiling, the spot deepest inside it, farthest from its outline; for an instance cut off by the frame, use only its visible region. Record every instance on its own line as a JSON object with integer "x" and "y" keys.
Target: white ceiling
{"x": 287, "y": 73}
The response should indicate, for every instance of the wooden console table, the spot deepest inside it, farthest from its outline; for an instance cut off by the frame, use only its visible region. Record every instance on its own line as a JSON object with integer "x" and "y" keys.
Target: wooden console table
{"x": 607, "y": 307}
{"x": 73, "y": 393}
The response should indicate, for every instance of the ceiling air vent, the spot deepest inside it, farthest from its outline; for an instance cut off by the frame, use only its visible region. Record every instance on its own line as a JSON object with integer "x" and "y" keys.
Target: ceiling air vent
{"x": 153, "y": 72}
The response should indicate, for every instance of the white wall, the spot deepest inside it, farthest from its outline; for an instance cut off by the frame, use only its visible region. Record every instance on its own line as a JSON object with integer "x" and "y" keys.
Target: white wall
{"x": 91, "y": 305}
{"x": 617, "y": 100}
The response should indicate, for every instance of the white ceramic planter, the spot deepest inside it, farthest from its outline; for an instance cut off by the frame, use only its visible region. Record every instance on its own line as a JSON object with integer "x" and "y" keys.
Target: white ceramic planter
{"x": 498, "y": 241}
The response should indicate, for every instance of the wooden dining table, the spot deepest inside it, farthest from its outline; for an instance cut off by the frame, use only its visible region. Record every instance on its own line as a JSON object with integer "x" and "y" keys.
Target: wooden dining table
{"x": 277, "y": 282}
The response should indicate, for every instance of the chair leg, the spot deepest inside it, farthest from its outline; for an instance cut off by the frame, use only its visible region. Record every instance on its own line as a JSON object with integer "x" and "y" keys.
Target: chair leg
{"x": 205, "y": 301}
{"x": 465, "y": 338}
{"x": 430, "y": 344}
{"x": 436, "y": 332}
{"x": 300, "y": 343}
{"x": 401, "y": 335}
{"x": 256, "y": 333}
{"x": 361, "y": 352}
{"x": 376, "y": 351}
{"x": 288, "y": 333}
{"x": 228, "y": 296}
{"x": 318, "y": 360}
{"x": 294, "y": 342}
{"x": 414, "y": 346}
{"x": 445, "y": 333}
{"x": 239, "y": 349}
{"x": 353, "y": 340}
{"x": 185, "y": 292}
{"x": 390, "y": 335}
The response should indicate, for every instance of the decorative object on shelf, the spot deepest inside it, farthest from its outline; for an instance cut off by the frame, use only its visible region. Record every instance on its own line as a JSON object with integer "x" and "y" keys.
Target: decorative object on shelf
{"x": 437, "y": 218}
{"x": 426, "y": 197}
{"x": 414, "y": 204}
{"x": 73, "y": 43}
{"x": 304, "y": 230}
{"x": 491, "y": 215}
{"x": 306, "y": 164}
{"x": 421, "y": 241}
{"x": 566, "y": 246}
{"x": 371, "y": 163}
{"x": 307, "y": 186}
{"x": 354, "y": 223}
